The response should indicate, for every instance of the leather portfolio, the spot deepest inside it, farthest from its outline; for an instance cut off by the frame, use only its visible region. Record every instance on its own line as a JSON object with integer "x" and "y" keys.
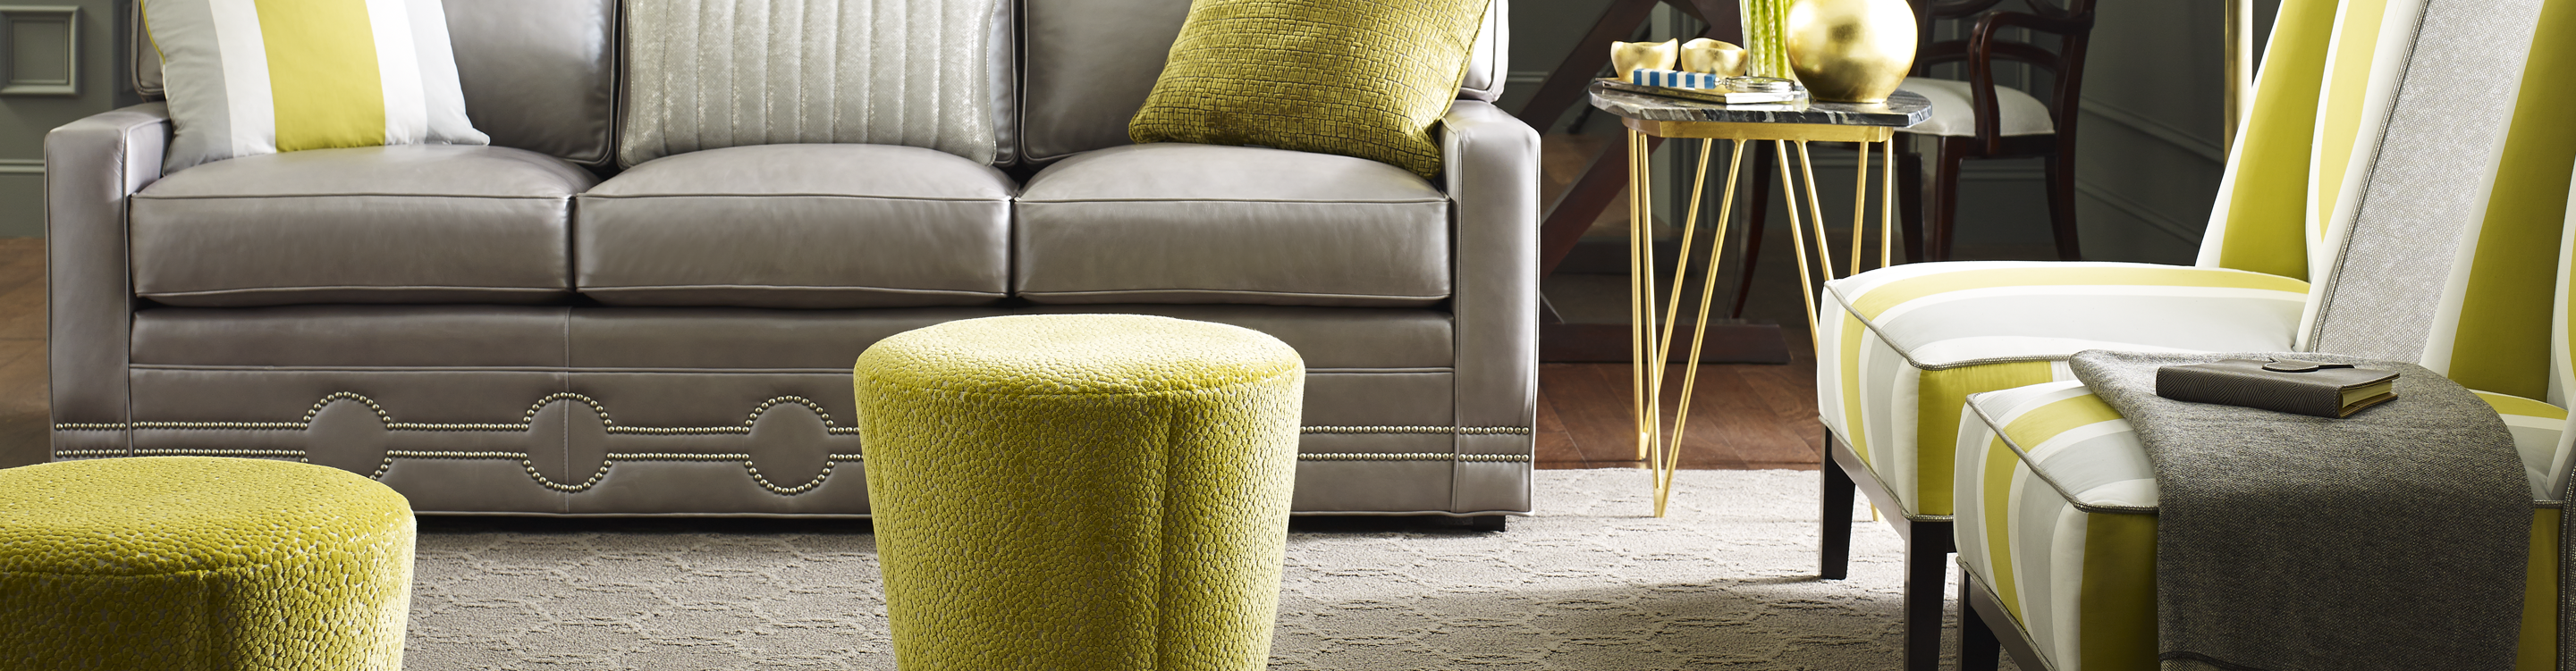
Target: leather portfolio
{"x": 2333, "y": 390}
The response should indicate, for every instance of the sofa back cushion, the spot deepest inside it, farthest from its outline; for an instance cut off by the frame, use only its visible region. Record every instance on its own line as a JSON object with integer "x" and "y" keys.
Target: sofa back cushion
{"x": 538, "y": 75}
{"x": 708, "y": 74}
{"x": 1092, "y": 62}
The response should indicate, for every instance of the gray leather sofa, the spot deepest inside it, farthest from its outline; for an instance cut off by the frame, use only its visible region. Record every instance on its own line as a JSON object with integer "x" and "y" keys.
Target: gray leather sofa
{"x": 522, "y": 329}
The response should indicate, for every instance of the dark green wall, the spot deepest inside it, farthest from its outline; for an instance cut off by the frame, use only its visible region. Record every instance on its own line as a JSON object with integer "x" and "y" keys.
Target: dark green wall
{"x": 24, "y": 119}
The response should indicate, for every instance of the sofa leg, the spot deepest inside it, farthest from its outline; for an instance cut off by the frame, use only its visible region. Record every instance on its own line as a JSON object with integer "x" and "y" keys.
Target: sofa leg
{"x": 1927, "y": 554}
{"x": 1495, "y": 523}
{"x": 1979, "y": 649}
{"x": 1833, "y": 560}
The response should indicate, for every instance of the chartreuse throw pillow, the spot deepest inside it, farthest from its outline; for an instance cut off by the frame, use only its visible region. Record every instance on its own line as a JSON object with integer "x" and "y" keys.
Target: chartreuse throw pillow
{"x": 1364, "y": 78}
{"x": 249, "y": 77}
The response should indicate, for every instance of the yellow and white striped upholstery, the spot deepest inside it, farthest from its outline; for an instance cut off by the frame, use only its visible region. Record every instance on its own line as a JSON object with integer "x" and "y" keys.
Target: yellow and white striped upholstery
{"x": 2055, "y": 498}
{"x": 1913, "y": 341}
{"x": 2068, "y": 546}
{"x": 1904, "y": 346}
{"x": 251, "y": 77}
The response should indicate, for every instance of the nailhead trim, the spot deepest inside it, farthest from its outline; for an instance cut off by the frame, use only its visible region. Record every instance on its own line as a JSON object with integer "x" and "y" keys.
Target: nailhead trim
{"x": 528, "y": 419}
{"x": 1411, "y": 456}
{"x": 1456, "y": 430}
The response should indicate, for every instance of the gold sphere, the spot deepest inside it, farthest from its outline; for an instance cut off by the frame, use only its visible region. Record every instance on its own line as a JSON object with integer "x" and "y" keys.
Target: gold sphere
{"x": 1628, "y": 57}
{"x": 1854, "y": 51}
{"x": 1713, "y": 57}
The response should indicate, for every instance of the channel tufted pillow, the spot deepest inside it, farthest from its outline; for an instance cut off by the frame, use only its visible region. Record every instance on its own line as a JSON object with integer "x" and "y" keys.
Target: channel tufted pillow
{"x": 1364, "y": 78}
{"x": 710, "y": 74}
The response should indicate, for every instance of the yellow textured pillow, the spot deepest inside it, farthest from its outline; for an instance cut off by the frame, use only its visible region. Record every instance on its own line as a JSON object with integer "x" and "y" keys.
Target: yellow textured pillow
{"x": 1364, "y": 78}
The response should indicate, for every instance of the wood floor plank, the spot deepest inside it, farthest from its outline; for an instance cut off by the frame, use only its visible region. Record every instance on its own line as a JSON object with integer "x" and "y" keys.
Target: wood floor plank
{"x": 1592, "y": 400}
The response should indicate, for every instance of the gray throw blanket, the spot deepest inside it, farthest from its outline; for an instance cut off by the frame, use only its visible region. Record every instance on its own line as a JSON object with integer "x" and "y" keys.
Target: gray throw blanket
{"x": 2392, "y": 539}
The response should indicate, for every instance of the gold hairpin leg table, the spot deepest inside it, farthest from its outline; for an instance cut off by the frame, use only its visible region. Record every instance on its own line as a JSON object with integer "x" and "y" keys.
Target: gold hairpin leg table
{"x": 1786, "y": 130}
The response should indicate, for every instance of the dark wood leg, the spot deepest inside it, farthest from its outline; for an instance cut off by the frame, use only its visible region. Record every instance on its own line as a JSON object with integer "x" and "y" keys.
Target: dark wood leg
{"x": 1833, "y": 560}
{"x": 1944, "y": 196}
{"x": 1757, "y": 210}
{"x": 1494, "y": 523}
{"x": 1979, "y": 649}
{"x": 2061, "y": 202}
{"x": 1927, "y": 558}
{"x": 1909, "y": 199}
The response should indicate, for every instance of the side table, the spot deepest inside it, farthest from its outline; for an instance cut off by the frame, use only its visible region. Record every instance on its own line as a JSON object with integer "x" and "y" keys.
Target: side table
{"x": 1784, "y": 126}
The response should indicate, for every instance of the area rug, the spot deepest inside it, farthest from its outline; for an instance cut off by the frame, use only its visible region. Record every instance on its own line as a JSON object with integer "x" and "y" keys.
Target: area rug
{"x": 1726, "y": 580}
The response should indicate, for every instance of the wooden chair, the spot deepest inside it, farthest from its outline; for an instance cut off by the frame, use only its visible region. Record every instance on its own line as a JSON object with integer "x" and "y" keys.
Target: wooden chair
{"x": 1977, "y": 119}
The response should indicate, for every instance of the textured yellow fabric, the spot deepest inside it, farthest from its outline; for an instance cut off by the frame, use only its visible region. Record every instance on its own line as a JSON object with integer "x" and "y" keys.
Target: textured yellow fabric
{"x": 201, "y": 563}
{"x": 1364, "y": 78}
{"x": 1098, "y": 492}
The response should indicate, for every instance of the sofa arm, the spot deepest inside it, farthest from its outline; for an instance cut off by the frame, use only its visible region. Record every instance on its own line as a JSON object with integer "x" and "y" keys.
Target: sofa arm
{"x": 1492, "y": 163}
{"x": 92, "y": 166}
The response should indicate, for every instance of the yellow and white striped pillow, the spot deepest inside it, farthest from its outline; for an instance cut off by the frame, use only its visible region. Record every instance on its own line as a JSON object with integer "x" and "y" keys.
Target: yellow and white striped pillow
{"x": 248, "y": 77}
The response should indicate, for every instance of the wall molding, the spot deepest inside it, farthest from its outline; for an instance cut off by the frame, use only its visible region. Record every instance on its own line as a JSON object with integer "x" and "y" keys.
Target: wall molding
{"x": 22, "y": 166}
{"x": 18, "y": 79}
{"x": 1524, "y": 77}
{"x": 2157, "y": 220}
{"x": 2160, "y": 130}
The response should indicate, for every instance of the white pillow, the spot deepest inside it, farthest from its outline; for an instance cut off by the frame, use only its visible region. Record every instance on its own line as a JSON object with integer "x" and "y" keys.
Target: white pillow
{"x": 305, "y": 74}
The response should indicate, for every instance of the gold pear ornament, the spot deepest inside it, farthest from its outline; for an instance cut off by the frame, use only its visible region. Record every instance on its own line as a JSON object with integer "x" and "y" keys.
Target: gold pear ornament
{"x": 1853, "y": 51}
{"x": 1629, "y": 57}
{"x": 1713, "y": 57}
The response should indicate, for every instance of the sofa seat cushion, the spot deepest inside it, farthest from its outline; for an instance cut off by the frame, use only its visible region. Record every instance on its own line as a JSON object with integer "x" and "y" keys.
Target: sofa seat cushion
{"x": 798, "y": 226}
{"x": 1191, "y": 223}
{"x": 399, "y": 224}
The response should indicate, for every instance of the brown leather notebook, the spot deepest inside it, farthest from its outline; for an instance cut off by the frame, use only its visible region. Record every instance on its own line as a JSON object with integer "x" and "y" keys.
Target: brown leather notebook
{"x": 2334, "y": 390}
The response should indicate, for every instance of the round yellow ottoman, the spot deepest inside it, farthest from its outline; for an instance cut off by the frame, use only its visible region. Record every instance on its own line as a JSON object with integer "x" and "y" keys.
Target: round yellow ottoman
{"x": 201, "y": 563}
{"x": 1094, "y": 492}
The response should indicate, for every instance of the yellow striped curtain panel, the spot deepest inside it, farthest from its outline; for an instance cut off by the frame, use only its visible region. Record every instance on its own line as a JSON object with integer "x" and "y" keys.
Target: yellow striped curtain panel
{"x": 248, "y": 77}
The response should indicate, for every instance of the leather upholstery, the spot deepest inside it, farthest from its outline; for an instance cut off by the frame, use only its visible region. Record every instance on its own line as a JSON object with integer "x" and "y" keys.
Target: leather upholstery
{"x": 702, "y": 369}
{"x": 799, "y": 225}
{"x": 1186, "y": 223}
{"x": 1490, "y": 64}
{"x": 1088, "y": 66}
{"x": 407, "y": 223}
{"x": 1492, "y": 161}
{"x": 1090, "y": 63}
{"x": 569, "y": 407}
{"x": 540, "y": 76}
{"x": 91, "y": 167}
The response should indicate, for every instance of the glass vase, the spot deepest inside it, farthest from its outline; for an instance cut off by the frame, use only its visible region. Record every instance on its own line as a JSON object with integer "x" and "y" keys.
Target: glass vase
{"x": 1766, "y": 26}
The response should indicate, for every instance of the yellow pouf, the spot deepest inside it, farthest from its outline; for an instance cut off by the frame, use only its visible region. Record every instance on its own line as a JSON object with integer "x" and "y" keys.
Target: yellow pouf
{"x": 201, "y": 563}
{"x": 1094, "y": 492}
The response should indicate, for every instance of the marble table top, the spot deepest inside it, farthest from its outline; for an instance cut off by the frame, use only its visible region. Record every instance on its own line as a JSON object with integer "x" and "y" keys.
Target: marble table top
{"x": 1905, "y": 108}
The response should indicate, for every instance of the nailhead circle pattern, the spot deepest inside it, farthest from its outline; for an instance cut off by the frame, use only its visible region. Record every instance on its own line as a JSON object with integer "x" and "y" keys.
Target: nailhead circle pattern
{"x": 1081, "y": 491}
{"x": 201, "y": 563}
{"x": 526, "y": 419}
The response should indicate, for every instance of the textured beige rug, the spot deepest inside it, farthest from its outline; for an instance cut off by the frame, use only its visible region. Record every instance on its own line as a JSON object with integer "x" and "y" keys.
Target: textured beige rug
{"x": 1727, "y": 581}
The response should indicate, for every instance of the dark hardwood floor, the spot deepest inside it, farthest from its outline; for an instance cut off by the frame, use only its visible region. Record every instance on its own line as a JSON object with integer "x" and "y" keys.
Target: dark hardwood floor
{"x": 24, "y": 424}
